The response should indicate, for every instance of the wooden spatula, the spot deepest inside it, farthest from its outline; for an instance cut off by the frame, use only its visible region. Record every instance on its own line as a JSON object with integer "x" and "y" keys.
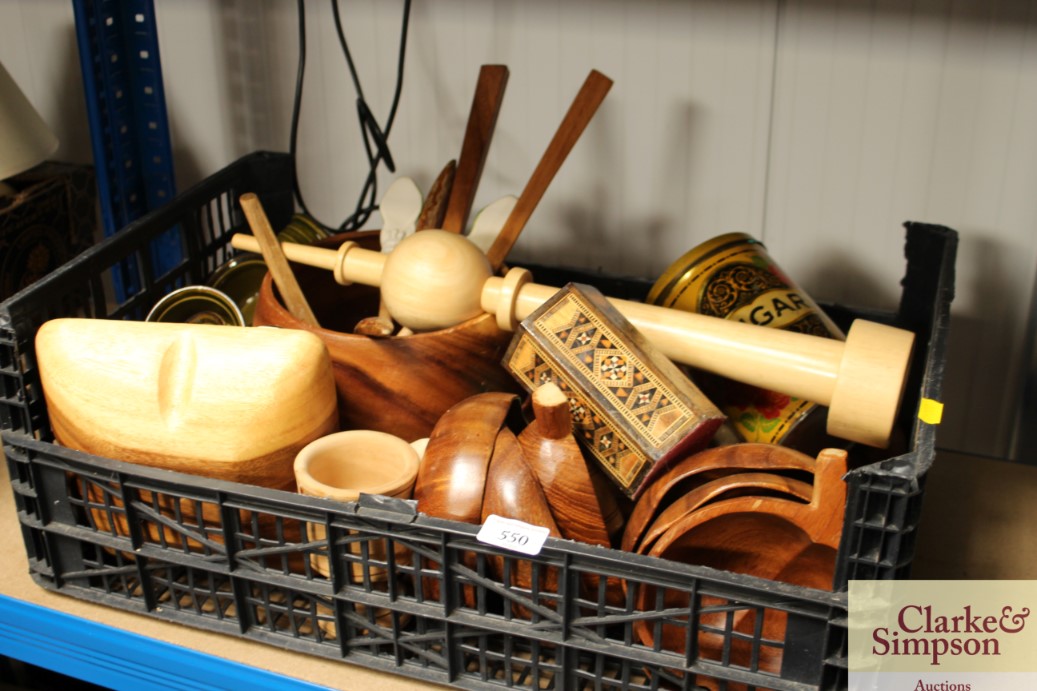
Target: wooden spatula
{"x": 482, "y": 120}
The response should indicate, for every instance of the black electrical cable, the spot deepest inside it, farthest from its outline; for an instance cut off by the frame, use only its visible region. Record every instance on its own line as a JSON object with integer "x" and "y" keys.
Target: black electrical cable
{"x": 369, "y": 129}
{"x": 293, "y": 136}
{"x": 345, "y": 49}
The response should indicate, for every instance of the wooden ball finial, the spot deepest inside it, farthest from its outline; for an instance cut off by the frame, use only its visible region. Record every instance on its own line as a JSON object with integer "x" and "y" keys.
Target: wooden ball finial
{"x": 434, "y": 279}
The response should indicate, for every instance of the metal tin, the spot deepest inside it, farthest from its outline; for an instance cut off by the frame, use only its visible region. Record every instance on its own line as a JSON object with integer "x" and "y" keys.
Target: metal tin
{"x": 733, "y": 277}
{"x": 302, "y": 229}
{"x": 197, "y": 305}
{"x": 240, "y": 278}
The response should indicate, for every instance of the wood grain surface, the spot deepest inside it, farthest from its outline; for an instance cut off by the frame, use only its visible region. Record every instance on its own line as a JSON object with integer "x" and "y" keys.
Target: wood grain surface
{"x": 401, "y": 385}
{"x": 275, "y": 260}
{"x": 768, "y": 537}
{"x": 684, "y": 475}
{"x": 433, "y": 211}
{"x": 452, "y": 476}
{"x": 513, "y": 491}
{"x": 482, "y": 120}
{"x": 559, "y": 466}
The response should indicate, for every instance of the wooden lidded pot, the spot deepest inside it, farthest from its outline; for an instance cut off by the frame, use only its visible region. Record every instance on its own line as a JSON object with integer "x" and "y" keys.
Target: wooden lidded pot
{"x": 401, "y": 384}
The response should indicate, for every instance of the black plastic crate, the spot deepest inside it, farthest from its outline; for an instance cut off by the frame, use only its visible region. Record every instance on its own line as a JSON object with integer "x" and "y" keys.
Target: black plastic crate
{"x": 443, "y": 618}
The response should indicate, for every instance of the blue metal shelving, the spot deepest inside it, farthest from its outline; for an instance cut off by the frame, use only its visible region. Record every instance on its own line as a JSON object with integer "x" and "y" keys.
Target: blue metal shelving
{"x": 126, "y": 107}
{"x": 120, "y": 659}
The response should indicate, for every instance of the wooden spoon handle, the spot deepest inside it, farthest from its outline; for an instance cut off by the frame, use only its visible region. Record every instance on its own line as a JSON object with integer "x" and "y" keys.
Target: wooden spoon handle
{"x": 275, "y": 260}
{"x": 482, "y": 120}
{"x": 434, "y": 209}
{"x": 586, "y": 103}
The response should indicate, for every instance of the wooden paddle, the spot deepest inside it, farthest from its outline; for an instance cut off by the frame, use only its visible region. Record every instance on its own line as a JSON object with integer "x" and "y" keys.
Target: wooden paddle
{"x": 591, "y": 94}
{"x": 482, "y": 120}
{"x": 275, "y": 260}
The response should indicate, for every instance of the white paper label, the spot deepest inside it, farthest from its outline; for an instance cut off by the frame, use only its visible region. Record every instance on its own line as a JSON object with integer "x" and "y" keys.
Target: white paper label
{"x": 514, "y": 535}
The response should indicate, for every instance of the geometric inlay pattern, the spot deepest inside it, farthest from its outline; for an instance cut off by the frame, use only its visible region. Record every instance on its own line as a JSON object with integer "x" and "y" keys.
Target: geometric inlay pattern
{"x": 616, "y": 456}
{"x": 638, "y": 393}
{"x": 630, "y": 407}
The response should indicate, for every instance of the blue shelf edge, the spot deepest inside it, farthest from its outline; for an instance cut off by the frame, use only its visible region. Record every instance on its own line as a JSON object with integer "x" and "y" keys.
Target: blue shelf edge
{"x": 120, "y": 659}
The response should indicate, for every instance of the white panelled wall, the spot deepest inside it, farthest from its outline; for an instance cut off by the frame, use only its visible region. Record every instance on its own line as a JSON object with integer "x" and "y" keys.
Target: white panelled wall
{"x": 818, "y": 126}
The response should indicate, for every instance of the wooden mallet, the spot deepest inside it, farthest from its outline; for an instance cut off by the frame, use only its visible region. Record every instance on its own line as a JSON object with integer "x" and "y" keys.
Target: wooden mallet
{"x": 435, "y": 279}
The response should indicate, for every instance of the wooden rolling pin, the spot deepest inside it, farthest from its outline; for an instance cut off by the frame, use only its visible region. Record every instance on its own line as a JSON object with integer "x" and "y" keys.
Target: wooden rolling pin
{"x": 436, "y": 279}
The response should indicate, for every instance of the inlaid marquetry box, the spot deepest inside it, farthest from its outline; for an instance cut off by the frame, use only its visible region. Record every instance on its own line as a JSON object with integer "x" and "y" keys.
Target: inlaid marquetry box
{"x": 632, "y": 408}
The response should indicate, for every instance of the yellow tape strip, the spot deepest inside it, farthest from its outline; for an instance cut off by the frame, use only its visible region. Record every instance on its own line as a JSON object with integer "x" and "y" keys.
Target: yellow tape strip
{"x": 930, "y": 411}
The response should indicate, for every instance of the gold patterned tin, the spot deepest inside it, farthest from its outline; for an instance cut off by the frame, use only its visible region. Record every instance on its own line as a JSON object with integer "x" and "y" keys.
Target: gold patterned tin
{"x": 733, "y": 277}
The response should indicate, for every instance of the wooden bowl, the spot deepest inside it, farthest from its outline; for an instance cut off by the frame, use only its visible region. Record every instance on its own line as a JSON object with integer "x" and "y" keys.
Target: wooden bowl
{"x": 513, "y": 491}
{"x": 724, "y": 487}
{"x": 739, "y": 539}
{"x": 566, "y": 479}
{"x": 452, "y": 474}
{"x": 699, "y": 467}
{"x": 400, "y": 385}
{"x": 560, "y": 468}
{"x": 453, "y": 471}
{"x": 343, "y": 465}
{"x": 769, "y": 537}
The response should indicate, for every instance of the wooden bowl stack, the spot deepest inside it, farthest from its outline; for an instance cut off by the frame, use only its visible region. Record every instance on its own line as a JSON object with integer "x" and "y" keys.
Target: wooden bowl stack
{"x": 483, "y": 460}
{"x": 752, "y": 508}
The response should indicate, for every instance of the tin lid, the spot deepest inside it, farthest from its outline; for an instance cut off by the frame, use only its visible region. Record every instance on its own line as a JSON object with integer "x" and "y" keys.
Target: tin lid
{"x": 683, "y": 270}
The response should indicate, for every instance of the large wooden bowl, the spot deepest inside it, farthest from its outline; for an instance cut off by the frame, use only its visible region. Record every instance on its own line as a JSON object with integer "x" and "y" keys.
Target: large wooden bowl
{"x": 399, "y": 385}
